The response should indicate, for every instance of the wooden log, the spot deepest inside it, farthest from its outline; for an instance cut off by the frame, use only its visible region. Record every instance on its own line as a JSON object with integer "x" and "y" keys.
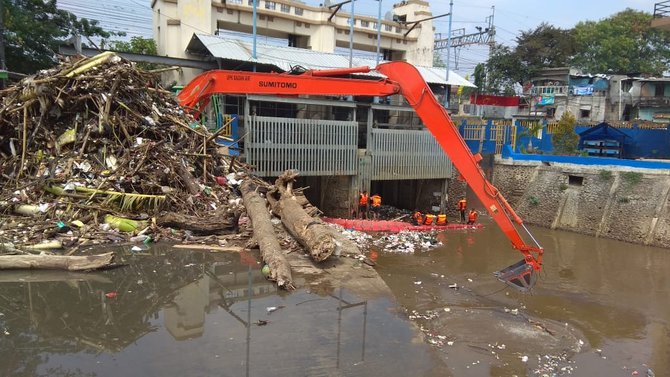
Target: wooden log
{"x": 346, "y": 246}
{"x": 310, "y": 232}
{"x": 264, "y": 234}
{"x": 50, "y": 276}
{"x": 217, "y": 223}
{"x": 211, "y": 248}
{"x": 55, "y": 262}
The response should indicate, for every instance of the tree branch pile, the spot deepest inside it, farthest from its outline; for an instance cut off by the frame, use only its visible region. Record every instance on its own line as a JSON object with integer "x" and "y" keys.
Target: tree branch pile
{"x": 95, "y": 151}
{"x": 96, "y": 144}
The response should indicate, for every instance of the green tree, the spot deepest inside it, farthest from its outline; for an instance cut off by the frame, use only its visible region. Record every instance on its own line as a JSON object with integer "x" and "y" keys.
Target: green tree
{"x": 542, "y": 47}
{"x": 530, "y": 131}
{"x": 35, "y": 28}
{"x": 138, "y": 45}
{"x": 503, "y": 69}
{"x": 480, "y": 76}
{"x": 545, "y": 46}
{"x": 622, "y": 43}
{"x": 437, "y": 61}
{"x": 565, "y": 139}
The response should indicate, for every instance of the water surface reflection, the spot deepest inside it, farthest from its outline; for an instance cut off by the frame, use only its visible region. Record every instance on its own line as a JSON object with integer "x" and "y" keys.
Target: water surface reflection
{"x": 179, "y": 313}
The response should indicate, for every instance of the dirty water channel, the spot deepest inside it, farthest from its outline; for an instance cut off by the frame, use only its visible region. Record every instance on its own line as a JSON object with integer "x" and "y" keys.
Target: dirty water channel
{"x": 600, "y": 308}
{"x": 173, "y": 312}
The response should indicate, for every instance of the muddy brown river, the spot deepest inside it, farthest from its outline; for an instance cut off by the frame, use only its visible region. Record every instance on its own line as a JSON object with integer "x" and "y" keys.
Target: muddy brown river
{"x": 600, "y": 308}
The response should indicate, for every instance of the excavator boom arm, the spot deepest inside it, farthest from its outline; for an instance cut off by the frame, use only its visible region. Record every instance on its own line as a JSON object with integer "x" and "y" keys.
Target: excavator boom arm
{"x": 404, "y": 79}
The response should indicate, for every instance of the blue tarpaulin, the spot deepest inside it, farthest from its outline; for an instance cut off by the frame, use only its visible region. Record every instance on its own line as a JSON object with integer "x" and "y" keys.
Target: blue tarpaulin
{"x": 544, "y": 101}
{"x": 583, "y": 90}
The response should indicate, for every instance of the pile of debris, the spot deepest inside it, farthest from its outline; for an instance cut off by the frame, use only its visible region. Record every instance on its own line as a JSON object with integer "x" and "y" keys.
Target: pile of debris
{"x": 387, "y": 212}
{"x": 96, "y": 145}
{"x": 95, "y": 151}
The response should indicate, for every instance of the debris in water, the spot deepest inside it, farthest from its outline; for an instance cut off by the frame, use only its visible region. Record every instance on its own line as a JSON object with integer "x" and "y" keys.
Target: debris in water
{"x": 271, "y": 309}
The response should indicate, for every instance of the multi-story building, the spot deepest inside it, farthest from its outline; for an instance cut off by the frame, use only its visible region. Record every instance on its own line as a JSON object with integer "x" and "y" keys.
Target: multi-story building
{"x": 599, "y": 98}
{"x": 557, "y": 90}
{"x": 322, "y": 29}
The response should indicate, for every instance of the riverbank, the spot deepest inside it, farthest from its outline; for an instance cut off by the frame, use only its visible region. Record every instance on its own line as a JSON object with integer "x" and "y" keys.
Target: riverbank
{"x": 626, "y": 204}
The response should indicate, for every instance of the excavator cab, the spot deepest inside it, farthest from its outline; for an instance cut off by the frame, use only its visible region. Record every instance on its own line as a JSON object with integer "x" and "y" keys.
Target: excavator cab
{"x": 521, "y": 275}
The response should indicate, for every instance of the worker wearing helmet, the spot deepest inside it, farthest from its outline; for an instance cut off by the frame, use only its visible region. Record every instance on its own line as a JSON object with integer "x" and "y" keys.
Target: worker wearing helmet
{"x": 363, "y": 204}
{"x": 418, "y": 218}
{"x": 441, "y": 219}
{"x": 472, "y": 216}
{"x": 462, "y": 206}
{"x": 376, "y": 203}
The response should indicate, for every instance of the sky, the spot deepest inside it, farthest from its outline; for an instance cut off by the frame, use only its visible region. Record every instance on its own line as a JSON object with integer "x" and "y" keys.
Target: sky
{"x": 511, "y": 16}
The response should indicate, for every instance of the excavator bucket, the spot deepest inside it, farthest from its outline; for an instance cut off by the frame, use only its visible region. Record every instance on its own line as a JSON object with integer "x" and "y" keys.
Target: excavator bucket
{"x": 521, "y": 275}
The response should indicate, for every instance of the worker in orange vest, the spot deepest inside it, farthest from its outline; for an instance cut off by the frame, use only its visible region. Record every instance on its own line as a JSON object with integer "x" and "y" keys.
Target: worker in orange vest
{"x": 441, "y": 219}
{"x": 462, "y": 206}
{"x": 418, "y": 218}
{"x": 376, "y": 203}
{"x": 472, "y": 216}
{"x": 363, "y": 204}
{"x": 430, "y": 218}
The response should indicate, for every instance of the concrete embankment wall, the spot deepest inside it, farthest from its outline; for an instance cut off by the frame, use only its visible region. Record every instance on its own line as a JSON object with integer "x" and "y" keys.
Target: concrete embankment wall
{"x": 626, "y": 204}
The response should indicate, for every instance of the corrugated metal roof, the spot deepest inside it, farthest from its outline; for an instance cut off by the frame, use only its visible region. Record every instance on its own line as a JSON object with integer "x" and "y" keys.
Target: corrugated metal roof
{"x": 286, "y": 57}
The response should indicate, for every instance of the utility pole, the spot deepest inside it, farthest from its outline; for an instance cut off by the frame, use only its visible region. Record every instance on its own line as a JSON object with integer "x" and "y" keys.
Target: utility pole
{"x": 492, "y": 30}
{"x": 458, "y": 38}
{"x": 253, "y": 51}
{"x": 446, "y": 92}
{"x": 379, "y": 30}
{"x": 351, "y": 34}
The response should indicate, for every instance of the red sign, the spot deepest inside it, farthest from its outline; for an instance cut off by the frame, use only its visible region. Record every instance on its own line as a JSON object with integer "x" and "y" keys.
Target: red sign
{"x": 485, "y": 99}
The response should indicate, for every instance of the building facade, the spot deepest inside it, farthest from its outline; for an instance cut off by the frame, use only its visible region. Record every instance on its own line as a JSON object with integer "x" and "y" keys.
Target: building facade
{"x": 322, "y": 29}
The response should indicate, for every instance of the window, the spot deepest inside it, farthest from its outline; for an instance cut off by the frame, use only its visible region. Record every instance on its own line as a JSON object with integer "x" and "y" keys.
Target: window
{"x": 270, "y": 5}
{"x": 365, "y": 23}
{"x": 286, "y": 8}
{"x": 659, "y": 90}
{"x": 584, "y": 113}
{"x": 298, "y": 11}
{"x": 397, "y": 29}
{"x": 250, "y": 3}
{"x": 349, "y": 21}
{"x": 374, "y": 25}
{"x": 388, "y": 27}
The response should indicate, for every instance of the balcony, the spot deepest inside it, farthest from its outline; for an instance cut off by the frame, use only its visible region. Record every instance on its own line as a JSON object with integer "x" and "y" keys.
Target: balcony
{"x": 652, "y": 101}
{"x": 661, "y": 18}
{"x": 549, "y": 90}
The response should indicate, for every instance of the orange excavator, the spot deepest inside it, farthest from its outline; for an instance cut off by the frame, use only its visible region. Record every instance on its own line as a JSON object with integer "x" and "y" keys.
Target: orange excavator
{"x": 404, "y": 79}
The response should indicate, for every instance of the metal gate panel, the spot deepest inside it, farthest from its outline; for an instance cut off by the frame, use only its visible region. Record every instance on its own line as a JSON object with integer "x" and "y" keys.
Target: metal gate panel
{"x": 407, "y": 154}
{"x": 313, "y": 147}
